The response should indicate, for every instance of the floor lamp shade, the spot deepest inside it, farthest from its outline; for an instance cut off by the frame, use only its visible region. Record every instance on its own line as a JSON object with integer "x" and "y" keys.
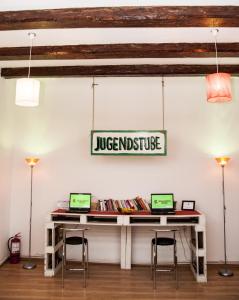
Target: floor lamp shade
{"x": 219, "y": 87}
{"x": 27, "y": 92}
{"x": 222, "y": 161}
{"x": 32, "y": 161}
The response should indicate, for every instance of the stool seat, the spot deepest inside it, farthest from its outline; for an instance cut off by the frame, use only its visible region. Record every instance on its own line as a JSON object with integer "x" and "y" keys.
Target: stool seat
{"x": 75, "y": 240}
{"x": 164, "y": 241}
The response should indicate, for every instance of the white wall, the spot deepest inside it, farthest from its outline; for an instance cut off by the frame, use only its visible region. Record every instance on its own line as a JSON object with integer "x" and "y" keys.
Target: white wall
{"x": 5, "y": 171}
{"x": 59, "y": 133}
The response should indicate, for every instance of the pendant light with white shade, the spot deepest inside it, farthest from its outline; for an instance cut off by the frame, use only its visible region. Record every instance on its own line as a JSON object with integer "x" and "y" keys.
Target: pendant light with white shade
{"x": 218, "y": 84}
{"x": 27, "y": 89}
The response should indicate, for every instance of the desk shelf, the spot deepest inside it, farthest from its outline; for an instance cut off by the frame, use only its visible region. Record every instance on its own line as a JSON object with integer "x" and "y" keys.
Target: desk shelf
{"x": 198, "y": 253}
{"x": 183, "y": 220}
{"x": 65, "y": 218}
{"x": 104, "y": 220}
{"x": 53, "y": 248}
{"x": 144, "y": 220}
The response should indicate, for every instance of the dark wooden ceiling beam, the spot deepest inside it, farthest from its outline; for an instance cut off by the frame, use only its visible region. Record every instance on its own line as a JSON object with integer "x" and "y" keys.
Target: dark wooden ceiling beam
{"x": 118, "y": 70}
{"x": 137, "y": 16}
{"x": 110, "y": 51}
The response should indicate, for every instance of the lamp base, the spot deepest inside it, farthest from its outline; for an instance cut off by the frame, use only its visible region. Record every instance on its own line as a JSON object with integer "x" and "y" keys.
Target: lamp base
{"x": 225, "y": 272}
{"x": 29, "y": 265}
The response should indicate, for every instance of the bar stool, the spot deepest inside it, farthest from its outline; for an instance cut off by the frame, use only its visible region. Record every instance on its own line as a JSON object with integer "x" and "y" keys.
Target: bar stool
{"x": 163, "y": 241}
{"x": 78, "y": 239}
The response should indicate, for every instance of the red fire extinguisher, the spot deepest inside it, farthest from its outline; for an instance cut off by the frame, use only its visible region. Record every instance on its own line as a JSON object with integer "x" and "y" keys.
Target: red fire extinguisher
{"x": 14, "y": 247}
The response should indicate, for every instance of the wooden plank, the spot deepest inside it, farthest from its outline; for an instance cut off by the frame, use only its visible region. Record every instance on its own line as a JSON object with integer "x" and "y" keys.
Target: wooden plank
{"x": 111, "y": 51}
{"x": 118, "y": 70}
{"x": 107, "y": 17}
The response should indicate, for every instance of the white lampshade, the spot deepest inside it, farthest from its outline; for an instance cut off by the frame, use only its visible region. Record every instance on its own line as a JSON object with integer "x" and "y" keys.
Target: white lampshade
{"x": 27, "y": 92}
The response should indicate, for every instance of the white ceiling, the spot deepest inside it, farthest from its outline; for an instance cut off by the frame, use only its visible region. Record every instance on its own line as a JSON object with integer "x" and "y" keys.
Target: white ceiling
{"x": 117, "y": 35}
{"x": 113, "y": 35}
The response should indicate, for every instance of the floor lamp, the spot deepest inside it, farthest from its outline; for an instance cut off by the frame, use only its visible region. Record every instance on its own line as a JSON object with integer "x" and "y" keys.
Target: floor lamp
{"x": 31, "y": 161}
{"x": 222, "y": 161}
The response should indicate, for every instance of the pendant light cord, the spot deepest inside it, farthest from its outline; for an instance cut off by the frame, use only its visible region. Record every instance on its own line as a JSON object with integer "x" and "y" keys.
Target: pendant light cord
{"x": 163, "y": 101}
{"x": 30, "y": 58}
{"x": 31, "y": 35}
{"x": 93, "y": 103}
{"x": 215, "y": 32}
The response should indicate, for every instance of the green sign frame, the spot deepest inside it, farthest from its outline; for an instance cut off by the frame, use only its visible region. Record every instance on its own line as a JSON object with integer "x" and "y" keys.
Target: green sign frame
{"x": 153, "y": 138}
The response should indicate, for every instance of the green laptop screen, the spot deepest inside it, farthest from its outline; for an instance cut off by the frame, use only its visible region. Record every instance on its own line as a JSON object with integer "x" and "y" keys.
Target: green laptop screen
{"x": 78, "y": 200}
{"x": 162, "y": 201}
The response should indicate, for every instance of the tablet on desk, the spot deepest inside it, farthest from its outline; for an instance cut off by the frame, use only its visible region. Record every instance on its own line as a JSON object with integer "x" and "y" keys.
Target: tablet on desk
{"x": 79, "y": 202}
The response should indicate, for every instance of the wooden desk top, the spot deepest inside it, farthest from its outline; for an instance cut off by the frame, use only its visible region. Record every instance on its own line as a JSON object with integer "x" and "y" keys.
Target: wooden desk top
{"x": 140, "y": 213}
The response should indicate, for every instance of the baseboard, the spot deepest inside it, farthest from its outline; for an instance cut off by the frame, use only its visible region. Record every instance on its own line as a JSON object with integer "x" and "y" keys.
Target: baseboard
{"x": 117, "y": 263}
{"x": 35, "y": 258}
{"x": 222, "y": 262}
{"x": 2, "y": 261}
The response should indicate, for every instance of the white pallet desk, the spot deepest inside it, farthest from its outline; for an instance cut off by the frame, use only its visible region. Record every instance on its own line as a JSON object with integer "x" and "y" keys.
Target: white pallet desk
{"x": 194, "y": 220}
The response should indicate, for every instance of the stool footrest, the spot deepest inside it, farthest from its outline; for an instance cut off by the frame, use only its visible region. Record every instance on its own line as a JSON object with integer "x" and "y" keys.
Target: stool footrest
{"x": 164, "y": 270}
{"x": 75, "y": 269}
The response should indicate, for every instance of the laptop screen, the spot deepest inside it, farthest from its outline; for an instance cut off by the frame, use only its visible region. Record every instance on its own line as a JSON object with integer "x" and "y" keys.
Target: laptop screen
{"x": 162, "y": 201}
{"x": 79, "y": 201}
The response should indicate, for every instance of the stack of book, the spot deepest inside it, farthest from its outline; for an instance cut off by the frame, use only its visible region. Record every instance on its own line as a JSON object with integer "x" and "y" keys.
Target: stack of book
{"x": 137, "y": 204}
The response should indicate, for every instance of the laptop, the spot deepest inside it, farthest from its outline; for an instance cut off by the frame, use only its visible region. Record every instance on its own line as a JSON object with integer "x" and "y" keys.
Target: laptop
{"x": 79, "y": 202}
{"x": 162, "y": 204}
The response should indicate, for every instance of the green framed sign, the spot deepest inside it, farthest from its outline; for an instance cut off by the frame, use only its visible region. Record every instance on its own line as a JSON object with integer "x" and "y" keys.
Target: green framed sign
{"x": 128, "y": 142}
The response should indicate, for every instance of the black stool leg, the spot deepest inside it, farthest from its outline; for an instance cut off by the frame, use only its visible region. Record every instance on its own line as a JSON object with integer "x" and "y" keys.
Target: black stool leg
{"x": 152, "y": 262}
{"x": 87, "y": 258}
{"x": 83, "y": 260}
{"x": 65, "y": 253}
{"x": 175, "y": 264}
{"x": 175, "y": 259}
{"x": 155, "y": 259}
{"x": 63, "y": 259}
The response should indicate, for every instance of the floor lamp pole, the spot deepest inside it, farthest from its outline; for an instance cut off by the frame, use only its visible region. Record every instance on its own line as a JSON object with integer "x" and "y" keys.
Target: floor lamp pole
{"x": 30, "y": 227}
{"x": 225, "y": 271}
{"x": 30, "y": 265}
